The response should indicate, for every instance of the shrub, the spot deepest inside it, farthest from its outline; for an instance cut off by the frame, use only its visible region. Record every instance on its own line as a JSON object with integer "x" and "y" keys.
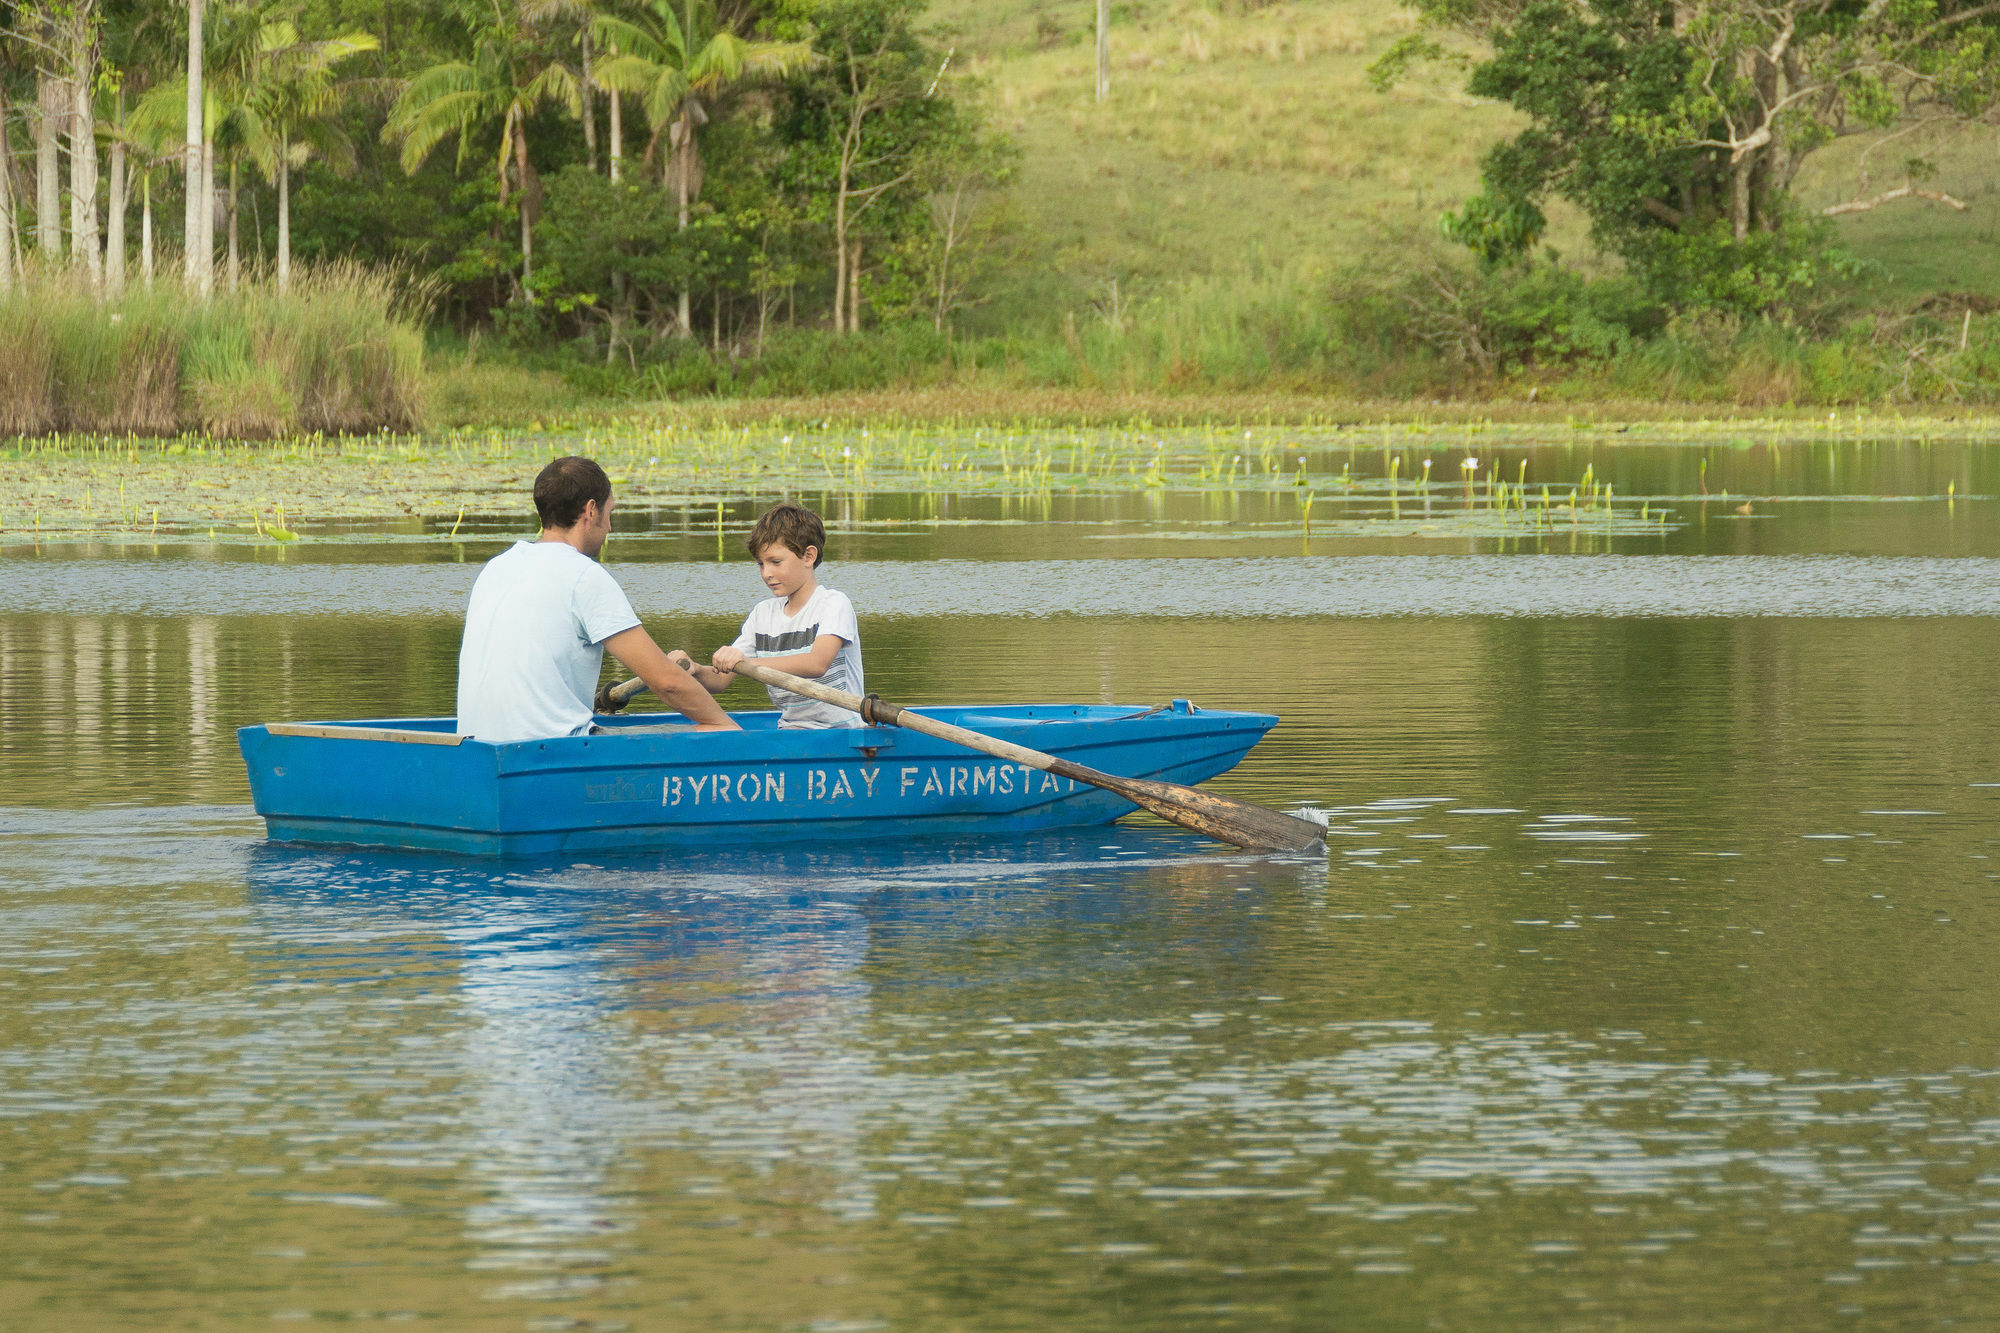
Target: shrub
{"x": 339, "y": 352}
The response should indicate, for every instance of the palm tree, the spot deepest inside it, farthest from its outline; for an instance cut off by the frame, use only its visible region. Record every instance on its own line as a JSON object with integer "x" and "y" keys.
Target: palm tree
{"x": 584, "y": 14}
{"x": 285, "y": 116}
{"x": 265, "y": 96}
{"x": 138, "y": 50}
{"x": 675, "y": 62}
{"x": 509, "y": 77}
{"x": 146, "y": 148}
{"x": 197, "y": 248}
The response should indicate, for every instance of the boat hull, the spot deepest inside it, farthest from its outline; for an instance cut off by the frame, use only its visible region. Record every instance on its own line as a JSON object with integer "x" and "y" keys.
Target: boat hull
{"x": 409, "y": 782}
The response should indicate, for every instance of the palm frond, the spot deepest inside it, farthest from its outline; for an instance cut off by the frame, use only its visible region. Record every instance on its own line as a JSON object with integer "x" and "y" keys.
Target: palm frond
{"x": 624, "y": 73}
{"x": 630, "y": 39}
{"x": 556, "y": 83}
{"x": 664, "y": 95}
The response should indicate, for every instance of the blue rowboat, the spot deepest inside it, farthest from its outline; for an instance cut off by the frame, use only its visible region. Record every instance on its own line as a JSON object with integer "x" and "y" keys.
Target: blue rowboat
{"x": 413, "y": 782}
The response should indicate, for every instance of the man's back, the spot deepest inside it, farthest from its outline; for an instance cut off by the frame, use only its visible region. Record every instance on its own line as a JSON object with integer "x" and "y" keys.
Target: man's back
{"x": 534, "y": 629}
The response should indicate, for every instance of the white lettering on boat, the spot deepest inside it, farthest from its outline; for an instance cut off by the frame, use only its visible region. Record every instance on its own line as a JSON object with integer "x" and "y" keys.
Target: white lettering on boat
{"x": 834, "y": 784}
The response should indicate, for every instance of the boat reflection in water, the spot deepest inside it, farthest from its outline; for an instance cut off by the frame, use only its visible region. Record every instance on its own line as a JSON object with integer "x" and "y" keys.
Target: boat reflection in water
{"x": 610, "y": 1051}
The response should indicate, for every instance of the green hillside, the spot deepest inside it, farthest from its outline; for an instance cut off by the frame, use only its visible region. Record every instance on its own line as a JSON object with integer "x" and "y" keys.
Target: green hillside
{"x": 1245, "y": 140}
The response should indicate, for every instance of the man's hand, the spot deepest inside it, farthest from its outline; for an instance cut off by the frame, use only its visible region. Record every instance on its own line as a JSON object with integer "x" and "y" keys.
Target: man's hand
{"x": 680, "y": 659}
{"x": 604, "y": 703}
{"x": 726, "y": 658}
{"x": 668, "y": 680}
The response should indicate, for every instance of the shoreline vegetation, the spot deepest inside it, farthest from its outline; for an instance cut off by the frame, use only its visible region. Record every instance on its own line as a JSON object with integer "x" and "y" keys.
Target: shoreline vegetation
{"x": 695, "y": 458}
{"x": 338, "y": 350}
{"x": 510, "y": 212}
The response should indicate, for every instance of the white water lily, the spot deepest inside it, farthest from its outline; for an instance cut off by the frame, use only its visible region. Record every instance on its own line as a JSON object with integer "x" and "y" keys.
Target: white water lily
{"x": 1470, "y": 465}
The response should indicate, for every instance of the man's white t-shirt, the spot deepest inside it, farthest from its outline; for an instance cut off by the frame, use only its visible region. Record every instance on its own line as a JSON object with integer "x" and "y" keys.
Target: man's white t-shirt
{"x": 534, "y": 642}
{"x": 769, "y": 632}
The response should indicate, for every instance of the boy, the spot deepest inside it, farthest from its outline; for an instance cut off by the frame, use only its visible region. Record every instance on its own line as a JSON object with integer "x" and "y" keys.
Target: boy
{"x": 803, "y": 628}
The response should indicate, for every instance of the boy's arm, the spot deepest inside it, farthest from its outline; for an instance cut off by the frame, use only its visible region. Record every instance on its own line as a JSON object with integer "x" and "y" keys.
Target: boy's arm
{"x": 812, "y": 663}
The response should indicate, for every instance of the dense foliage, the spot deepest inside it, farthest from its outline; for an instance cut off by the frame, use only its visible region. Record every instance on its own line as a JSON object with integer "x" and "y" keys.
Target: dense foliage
{"x": 720, "y": 196}
{"x": 1679, "y": 129}
{"x": 618, "y": 174}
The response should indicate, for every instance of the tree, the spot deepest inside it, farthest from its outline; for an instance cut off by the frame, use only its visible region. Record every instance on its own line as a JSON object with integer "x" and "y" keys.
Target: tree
{"x": 1680, "y": 129}
{"x": 196, "y": 246}
{"x": 77, "y": 24}
{"x": 141, "y": 150}
{"x": 285, "y": 114}
{"x": 862, "y": 120}
{"x": 961, "y": 177}
{"x": 675, "y": 62}
{"x": 509, "y": 77}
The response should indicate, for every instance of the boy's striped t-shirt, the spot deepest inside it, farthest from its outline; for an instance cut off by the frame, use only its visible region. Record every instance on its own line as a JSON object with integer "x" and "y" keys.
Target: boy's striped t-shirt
{"x": 769, "y": 632}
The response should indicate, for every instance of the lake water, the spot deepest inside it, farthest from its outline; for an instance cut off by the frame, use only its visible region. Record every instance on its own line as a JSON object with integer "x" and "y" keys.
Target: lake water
{"x": 1648, "y": 980}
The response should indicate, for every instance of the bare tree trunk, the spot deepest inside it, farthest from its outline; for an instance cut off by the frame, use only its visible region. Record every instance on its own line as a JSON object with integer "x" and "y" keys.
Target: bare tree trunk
{"x": 841, "y": 183}
{"x": 235, "y": 264}
{"x": 587, "y": 89}
{"x": 83, "y": 230}
{"x": 1739, "y": 199}
{"x": 617, "y": 137}
{"x": 951, "y": 231}
{"x": 146, "y": 230}
{"x": 678, "y": 152}
{"x": 840, "y": 260}
{"x": 50, "y": 112}
{"x": 527, "y": 225}
{"x": 284, "y": 216}
{"x": 114, "y": 237}
{"x": 207, "y": 217}
{"x": 193, "y": 268}
{"x": 10, "y": 241}
{"x": 615, "y": 319}
{"x": 854, "y": 289}
{"x": 1103, "y": 49}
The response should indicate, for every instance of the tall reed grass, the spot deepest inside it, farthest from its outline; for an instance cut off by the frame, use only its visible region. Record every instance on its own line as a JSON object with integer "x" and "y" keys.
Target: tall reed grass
{"x": 340, "y": 352}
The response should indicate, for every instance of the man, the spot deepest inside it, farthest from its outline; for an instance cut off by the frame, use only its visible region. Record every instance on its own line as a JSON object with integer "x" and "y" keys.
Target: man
{"x": 543, "y": 614}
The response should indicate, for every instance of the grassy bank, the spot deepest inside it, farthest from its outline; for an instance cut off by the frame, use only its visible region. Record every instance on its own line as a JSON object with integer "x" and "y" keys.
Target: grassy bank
{"x": 339, "y": 352}
{"x": 1417, "y": 328}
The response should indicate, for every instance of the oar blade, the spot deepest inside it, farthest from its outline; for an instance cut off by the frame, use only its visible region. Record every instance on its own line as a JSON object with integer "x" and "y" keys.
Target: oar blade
{"x": 1224, "y": 818}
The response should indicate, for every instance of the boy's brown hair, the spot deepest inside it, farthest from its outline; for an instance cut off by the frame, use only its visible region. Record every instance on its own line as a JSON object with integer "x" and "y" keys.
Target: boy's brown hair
{"x": 792, "y": 526}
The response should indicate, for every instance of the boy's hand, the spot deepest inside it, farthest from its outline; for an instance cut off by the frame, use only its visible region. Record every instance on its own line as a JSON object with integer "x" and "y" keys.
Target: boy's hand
{"x": 726, "y": 659}
{"x": 680, "y": 659}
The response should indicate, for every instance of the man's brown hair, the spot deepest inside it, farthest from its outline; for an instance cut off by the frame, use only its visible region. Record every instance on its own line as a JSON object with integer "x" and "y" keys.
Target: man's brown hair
{"x": 792, "y": 526}
{"x": 565, "y": 486}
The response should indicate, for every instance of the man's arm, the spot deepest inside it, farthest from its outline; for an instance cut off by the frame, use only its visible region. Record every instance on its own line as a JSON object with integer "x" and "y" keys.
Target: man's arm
{"x": 812, "y": 663}
{"x": 638, "y": 654}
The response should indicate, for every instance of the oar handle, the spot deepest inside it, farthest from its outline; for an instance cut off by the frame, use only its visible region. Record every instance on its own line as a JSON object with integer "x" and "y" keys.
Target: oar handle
{"x": 872, "y": 709}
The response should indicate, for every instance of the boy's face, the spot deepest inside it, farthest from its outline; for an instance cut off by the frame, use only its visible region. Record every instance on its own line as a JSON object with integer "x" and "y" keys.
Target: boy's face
{"x": 784, "y": 570}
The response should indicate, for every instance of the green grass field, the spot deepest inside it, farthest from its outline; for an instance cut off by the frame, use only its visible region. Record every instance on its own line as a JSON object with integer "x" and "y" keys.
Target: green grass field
{"x": 1243, "y": 141}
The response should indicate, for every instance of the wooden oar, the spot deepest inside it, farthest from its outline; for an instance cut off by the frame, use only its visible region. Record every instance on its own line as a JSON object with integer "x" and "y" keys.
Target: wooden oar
{"x": 1223, "y": 818}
